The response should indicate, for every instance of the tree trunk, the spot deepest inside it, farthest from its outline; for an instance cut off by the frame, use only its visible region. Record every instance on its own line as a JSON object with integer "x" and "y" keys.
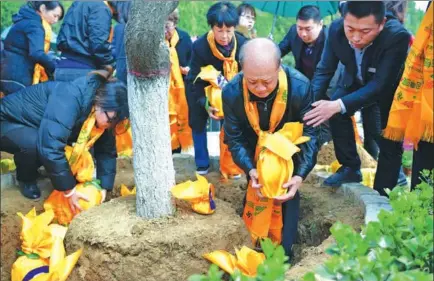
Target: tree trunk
{"x": 148, "y": 85}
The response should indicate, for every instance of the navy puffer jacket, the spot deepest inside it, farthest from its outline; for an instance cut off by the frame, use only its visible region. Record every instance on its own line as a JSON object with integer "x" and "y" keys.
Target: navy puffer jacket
{"x": 58, "y": 110}
{"x": 24, "y": 47}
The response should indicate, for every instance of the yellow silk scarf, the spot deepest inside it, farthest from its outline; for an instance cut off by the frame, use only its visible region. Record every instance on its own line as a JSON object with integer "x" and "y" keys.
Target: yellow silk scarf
{"x": 411, "y": 114}
{"x": 263, "y": 218}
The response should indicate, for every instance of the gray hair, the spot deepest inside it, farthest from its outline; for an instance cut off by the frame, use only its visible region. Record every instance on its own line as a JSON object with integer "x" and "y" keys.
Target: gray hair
{"x": 275, "y": 50}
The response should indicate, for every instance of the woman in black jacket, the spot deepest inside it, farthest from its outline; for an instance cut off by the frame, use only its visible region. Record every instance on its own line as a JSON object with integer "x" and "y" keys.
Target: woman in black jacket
{"x": 52, "y": 118}
{"x": 24, "y": 45}
{"x": 219, "y": 47}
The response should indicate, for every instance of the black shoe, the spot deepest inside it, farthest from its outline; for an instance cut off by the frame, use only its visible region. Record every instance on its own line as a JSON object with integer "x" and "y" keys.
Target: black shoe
{"x": 202, "y": 170}
{"x": 343, "y": 175}
{"x": 30, "y": 190}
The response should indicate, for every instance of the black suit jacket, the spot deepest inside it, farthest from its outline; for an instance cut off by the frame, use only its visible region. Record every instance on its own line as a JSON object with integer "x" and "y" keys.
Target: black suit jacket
{"x": 293, "y": 43}
{"x": 382, "y": 67}
{"x": 242, "y": 139}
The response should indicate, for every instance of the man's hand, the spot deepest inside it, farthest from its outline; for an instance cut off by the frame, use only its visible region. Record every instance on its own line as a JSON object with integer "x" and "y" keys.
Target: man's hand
{"x": 212, "y": 111}
{"x": 184, "y": 70}
{"x": 255, "y": 182}
{"x": 293, "y": 185}
{"x": 322, "y": 112}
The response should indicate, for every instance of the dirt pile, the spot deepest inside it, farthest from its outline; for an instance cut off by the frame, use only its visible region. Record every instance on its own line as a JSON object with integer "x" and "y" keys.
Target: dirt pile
{"x": 118, "y": 245}
{"x": 327, "y": 155}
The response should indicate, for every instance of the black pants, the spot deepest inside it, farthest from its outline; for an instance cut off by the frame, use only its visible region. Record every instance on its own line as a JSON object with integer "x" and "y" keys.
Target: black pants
{"x": 371, "y": 129}
{"x": 389, "y": 159}
{"x": 389, "y": 165}
{"x": 423, "y": 159}
{"x": 20, "y": 141}
{"x": 290, "y": 217}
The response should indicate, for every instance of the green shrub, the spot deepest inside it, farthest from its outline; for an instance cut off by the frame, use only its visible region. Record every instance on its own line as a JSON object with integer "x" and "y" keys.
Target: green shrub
{"x": 399, "y": 246}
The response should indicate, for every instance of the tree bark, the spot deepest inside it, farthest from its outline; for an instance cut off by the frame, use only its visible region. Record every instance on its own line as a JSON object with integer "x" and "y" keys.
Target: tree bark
{"x": 148, "y": 85}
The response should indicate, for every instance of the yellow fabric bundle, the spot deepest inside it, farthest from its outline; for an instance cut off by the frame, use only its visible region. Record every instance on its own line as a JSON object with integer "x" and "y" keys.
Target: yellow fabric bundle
{"x": 41, "y": 241}
{"x": 7, "y": 165}
{"x": 275, "y": 165}
{"x": 246, "y": 260}
{"x": 124, "y": 142}
{"x": 178, "y": 108}
{"x": 35, "y": 234}
{"x": 199, "y": 193}
{"x": 58, "y": 203}
{"x": 125, "y": 191}
{"x": 213, "y": 92}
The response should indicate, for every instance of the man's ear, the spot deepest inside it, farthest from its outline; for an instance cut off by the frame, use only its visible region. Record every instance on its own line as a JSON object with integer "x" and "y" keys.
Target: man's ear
{"x": 383, "y": 23}
{"x": 321, "y": 23}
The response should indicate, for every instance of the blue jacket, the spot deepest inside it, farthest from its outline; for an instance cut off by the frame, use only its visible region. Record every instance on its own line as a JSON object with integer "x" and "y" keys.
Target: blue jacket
{"x": 184, "y": 48}
{"x": 202, "y": 56}
{"x": 119, "y": 52}
{"x": 24, "y": 47}
{"x": 242, "y": 139}
{"x": 85, "y": 32}
{"x": 58, "y": 110}
{"x": 382, "y": 67}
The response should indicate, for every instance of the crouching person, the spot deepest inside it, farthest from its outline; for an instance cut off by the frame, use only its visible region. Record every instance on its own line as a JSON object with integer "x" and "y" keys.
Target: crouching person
{"x": 259, "y": 101}
{"x": 38, "y": 122}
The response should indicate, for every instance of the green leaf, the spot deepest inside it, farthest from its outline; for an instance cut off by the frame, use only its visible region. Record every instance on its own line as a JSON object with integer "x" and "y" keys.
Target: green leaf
{"x": 310, "y": 276}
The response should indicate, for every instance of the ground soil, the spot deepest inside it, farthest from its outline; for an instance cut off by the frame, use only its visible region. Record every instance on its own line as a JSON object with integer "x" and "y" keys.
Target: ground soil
{"x": 327, "y": 155}
{"x": 320, "y": 208}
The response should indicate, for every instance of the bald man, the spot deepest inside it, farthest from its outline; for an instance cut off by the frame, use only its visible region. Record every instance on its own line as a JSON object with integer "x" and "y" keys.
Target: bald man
{"x": 263, "y": 82}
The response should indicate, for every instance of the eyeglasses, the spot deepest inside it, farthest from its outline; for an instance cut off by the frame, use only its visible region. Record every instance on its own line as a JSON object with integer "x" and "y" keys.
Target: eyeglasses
{"x": 169, "y": 26}
{"x": 252, "y": 18}
{"x": 110, "y": 120}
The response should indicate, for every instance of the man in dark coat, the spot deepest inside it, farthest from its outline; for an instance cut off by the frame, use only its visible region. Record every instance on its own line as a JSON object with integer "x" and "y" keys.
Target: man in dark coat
{"x": 222, "y": 18}
{"x": 118, "y": 44}
{"x": 260, "y": 59}
{"x": 306, "y": 40}
{"x": 373, "y": 52}
{"x": 84, "y": 39}
{"x": 52, "y": 117}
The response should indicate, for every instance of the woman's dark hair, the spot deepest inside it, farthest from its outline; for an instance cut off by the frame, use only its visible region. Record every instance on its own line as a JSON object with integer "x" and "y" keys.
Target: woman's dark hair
{"x": 112, "y": 96}
{"x": 397, "y": 8}
{"x": 222, "y": 13}
{"x": 244, "y": 8}
{"x": 49, "y": 5}
{"x": 361, "y": 9}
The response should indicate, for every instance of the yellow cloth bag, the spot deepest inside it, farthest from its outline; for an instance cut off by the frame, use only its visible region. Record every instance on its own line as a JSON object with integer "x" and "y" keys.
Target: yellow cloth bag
{"x": 60, "y": 267}
{"x": 124, "y": 142}
{"x": 39, "y": 74}
{"x": 178, "y": 108}
{"x": 245, "y": 260}
{"x": 37, "y": 245}
{"x": 275, "y": 165}
{"x": 125, "y": 191}
{"x": 82, "y": 167}
{"x": 200, "y": 194}
{"x": 412, "y": 112}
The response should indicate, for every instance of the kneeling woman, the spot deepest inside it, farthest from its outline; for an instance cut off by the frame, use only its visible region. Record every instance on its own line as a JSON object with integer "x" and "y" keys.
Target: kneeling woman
{"x": 38, "y": 122}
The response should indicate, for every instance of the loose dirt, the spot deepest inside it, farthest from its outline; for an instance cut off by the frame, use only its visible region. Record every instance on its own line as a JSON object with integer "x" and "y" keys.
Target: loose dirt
{"x": 320, "y": 208}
